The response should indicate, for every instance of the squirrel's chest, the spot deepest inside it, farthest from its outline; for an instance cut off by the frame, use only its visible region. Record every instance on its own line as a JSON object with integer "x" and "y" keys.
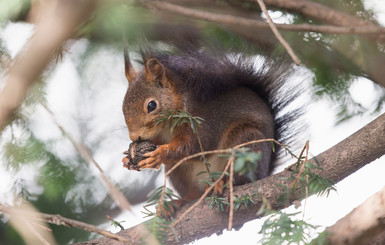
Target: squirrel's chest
{"x": 163, "y": 137}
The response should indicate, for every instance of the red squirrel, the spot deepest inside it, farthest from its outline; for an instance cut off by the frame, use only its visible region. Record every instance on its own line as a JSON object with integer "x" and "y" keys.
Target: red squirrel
{"x": 238, "y": 103}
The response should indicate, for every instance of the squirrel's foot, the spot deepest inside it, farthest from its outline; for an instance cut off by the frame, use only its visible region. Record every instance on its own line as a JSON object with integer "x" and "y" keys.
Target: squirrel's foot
{"x": 154, "y": 158}
{"x": 168, "y": 208}
{"x": 218, "y": 188}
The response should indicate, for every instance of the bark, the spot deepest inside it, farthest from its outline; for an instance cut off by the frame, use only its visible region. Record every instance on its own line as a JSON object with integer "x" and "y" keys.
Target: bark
{"x": 338, "y": 162}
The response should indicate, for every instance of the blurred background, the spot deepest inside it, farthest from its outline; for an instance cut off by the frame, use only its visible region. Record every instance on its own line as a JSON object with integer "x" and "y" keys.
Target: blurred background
{"x": 85, "y": 84}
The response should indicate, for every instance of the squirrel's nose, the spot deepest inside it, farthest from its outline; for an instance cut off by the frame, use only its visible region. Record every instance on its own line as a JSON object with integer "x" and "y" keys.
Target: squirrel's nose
{"x": 134, "y": 136}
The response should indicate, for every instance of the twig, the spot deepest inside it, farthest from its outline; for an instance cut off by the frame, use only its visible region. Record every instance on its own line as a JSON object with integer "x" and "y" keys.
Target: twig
{"x": 246, "y": 22}
{"x": 278, "y": 35}
{"x": 35, "y": 232}
{"x": 307, "y": 180}
{"x": 114, "y": 222}
{"x": 231, "y": 212}
{"x": 305, "y": 148}
{"x": 228, "y": 150}
{"x": 115, "y": 193}
{"x": 60, "y": 220}
{"x": 204, "y": 156}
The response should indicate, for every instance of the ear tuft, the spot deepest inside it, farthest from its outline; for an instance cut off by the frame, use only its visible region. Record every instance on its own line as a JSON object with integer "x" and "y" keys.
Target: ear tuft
{"x": 128, "y": 69}
{"x": 155, "y": 69}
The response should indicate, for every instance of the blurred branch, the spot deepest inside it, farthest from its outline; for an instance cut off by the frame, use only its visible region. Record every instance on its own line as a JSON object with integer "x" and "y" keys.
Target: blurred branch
{"x": 29, "y": 216}
{"x": 26, "y": 225}
{"x": 294, "y": 57}
{"x": 60, "y": 18}
{"x": 115, "y": 193}
{"x": 319, "y": 12}
{"x": 362, "y": 224}
{"x": 246, "y": 22}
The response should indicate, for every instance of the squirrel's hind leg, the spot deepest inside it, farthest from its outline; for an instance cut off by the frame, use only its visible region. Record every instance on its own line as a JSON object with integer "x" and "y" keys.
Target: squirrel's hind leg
{"x": 247, "y": 132}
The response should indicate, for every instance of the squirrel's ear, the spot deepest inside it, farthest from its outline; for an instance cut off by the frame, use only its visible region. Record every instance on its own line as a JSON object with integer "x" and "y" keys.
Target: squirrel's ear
{"x": 128, "y": 69}
{"x": 155, "y": 70}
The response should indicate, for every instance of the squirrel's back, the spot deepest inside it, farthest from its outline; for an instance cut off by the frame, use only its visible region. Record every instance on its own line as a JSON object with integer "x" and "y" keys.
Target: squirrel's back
{"x": 205, "y": 74}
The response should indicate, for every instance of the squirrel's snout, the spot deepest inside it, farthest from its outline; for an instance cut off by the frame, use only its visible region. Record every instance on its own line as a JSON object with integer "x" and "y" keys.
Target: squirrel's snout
{"x": 134, "y": 136}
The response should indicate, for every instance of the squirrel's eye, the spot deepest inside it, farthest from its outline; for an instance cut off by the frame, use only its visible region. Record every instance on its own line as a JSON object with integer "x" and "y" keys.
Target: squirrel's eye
{"x": 151, "y": 106}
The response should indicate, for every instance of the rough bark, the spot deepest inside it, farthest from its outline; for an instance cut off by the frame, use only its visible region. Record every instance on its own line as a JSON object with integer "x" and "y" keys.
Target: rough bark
{"x": 338, "y": 162}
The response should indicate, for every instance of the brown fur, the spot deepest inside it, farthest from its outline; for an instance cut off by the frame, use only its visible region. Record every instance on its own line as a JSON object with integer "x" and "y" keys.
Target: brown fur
{"x": 233, "y": 114}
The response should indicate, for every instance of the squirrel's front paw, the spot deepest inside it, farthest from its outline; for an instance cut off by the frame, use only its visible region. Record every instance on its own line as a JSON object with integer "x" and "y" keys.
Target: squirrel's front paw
{"x": 135, "y": 154}
{"x": 155, "y": 158}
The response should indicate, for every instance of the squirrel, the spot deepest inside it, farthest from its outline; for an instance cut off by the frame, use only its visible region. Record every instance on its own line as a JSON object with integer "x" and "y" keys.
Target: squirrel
{"x": 238, "y": 103}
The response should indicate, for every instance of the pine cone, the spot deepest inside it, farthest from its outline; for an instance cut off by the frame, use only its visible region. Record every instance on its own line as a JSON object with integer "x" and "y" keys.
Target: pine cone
{"x": 135, "y": 153}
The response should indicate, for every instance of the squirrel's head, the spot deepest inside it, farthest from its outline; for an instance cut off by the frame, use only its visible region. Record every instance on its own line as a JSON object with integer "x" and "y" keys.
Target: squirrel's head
{"x": 149, "y": 94}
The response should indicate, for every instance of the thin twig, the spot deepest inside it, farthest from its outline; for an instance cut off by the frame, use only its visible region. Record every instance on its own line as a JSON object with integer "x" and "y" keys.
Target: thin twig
{"x": 228, "y": 150}
{"x": 231, "y": 213}
{"x": 278, "y": 35}
{"x": 204, "y": 156}
{"x": 302, "y": 167}
{"x": 161, "y": 200}
{"x": 115, "y": 222}
{"x": 35, "y": 232}
{"x": 307, "y": 180}
{"x": 115, "y": 193}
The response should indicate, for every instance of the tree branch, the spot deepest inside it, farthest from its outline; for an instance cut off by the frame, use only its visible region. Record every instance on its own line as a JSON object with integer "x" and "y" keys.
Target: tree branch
{"x": 114, "y": 192}
{"x": 250, "y": 23}
{"x": 362, "y": 224}
{"x": 318, "y": 11}
{"x": 58, "y": 23}
{"x": 59, "y": 220}
{"x": 338, "y": 162}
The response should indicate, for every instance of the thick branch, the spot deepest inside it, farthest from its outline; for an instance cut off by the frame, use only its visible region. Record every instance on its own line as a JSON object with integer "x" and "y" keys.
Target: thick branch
{"x": 362, "y": 224}
{"x": 338, "y": 162}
